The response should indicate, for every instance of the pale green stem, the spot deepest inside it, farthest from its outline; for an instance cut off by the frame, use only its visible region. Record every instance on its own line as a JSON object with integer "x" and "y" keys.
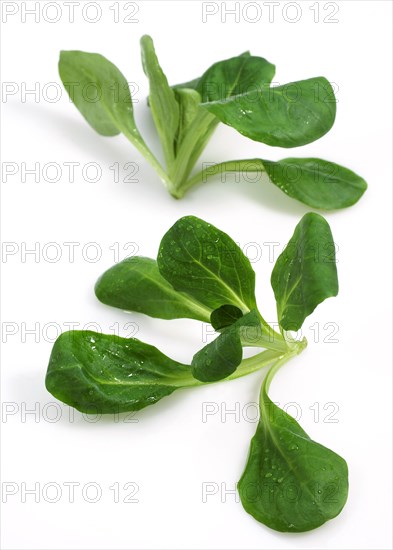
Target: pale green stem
{"x": 138, "y": 142}
{"x": 263, "y": 336}
{"x": 246, "y": 165}
{"x": 263, "y": 340}
{"x": 296, "y": 350}
{"x": 247, "y": 366}
{"x": 254, "y": 363}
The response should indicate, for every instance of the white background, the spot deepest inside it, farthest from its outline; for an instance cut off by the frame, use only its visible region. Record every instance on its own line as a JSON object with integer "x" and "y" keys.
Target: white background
{"x": 167, "y": 450}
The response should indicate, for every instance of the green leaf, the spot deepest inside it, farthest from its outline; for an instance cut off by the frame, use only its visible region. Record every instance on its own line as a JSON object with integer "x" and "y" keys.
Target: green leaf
{"x": 305, "y": 273}
{"x": 100, "y": 92}
{"x": 194, "y": 83}
{"x": 291, "y": 483}
{"x": 220, "y": 80}
{"x": 135, "y": 284}
{"x": 197, "y": 258}
{"x": 284, "y": 116}
{"x": 162, "y": 100}
{"x": 316, "y": 182}
{"x": 225, "y": 316}
{"x": 238, "y": 75}
{"x": 188, "y": 101}
{"x": 190, "y": 146}
{"x": 221, "y": 357}
{"x": 191, "y": 84}
{"x": 99, "y": 373}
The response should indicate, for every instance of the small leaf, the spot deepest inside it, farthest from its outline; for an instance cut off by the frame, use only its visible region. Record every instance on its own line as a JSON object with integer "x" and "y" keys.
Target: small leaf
{"x": 135, "y": 284}
{"x": 305, "y": 273}
{"x": 290, "y": 482}
{"x": 99, "y": 373}
{"x": 284, "y": 116}
{"x": 221, "y": 357}
{"x": 225, "y": 316}
{"x": 162, "y": 100}
{"x": 100, "y": 92}
{"x": 197, "y": 258}
{"x": 316, "y": 182}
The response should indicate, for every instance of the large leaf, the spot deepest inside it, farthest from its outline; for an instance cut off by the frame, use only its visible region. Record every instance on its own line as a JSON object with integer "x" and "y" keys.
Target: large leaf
{"x": 291, "y": 483}
{"x": 162, "y": 100}
{"x": 316, "y": 182}
{"x": 197, "y": 258}
{"x": 305, "y": 273}
{"x": 238, "y": 75}
{"x": 98, "y": 373}
{"x": 284, "y": 116}
{"x": 220, "y": 358}
{"x": 135, "y": 284}
{"x": 100, "y": 92}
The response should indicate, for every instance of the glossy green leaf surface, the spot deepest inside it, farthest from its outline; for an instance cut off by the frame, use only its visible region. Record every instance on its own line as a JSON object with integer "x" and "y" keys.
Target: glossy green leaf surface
{"x": 238, "y": 75}
{"x": 284, "y": 116}
{"x": 220, "y": 358}
{"x": 290, "y": 482}
{"x": 316, "y": 182}
{"x": 135, "y": 284}
{"x": 100, "y": 92}
{"x": 162, "y": 100}
{"x": 305, "y": 273}
{"x": 197, "y": 258}
{"x": 99, "y": 373}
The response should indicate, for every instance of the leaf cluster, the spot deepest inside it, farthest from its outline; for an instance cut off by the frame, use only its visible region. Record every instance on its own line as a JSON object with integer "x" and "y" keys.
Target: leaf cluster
{"x": 237, "y": 92}
{"x": 290, "y": 482}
